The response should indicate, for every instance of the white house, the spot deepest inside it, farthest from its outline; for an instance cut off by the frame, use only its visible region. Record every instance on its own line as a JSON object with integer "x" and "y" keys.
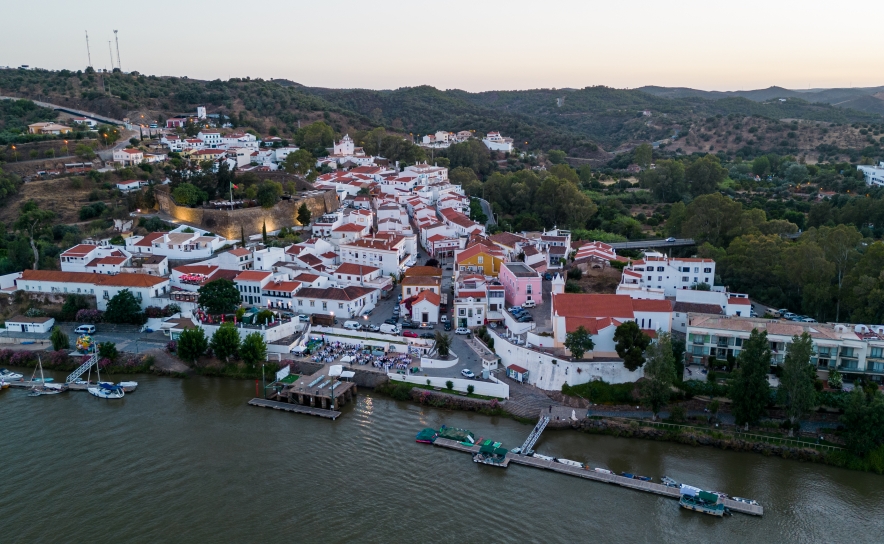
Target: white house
{"x": 425, "y": 307}
{"x": 128, "y": 156}
{"x": 495, "y": 142}
{"x": 148, "y": 290}
{"x": 176, "y": 244}
{"x": 388, "y": 253}
{"x": 251, "y": 285}
{"x": 874, "y": 175}
{"x": 22, "y": 323}
{"x": 211, "y": 138}
{"x": 342, "y": 302}
{"x": 657, "y": 271}
{"x": 94, "y": 259}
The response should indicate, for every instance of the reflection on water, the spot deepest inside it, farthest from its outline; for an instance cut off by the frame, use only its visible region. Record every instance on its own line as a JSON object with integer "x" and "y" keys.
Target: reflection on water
{"x": 189, "y": 460}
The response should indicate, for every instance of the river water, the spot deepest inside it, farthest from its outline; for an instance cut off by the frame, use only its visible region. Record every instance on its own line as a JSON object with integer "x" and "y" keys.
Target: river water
{"x": 190, "y": 461}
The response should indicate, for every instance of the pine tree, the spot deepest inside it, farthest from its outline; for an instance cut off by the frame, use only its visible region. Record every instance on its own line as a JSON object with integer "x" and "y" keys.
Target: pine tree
{"x": 242, "y": 235}
{"x": 750, "y": 391}
{"x": 264, "y": 233}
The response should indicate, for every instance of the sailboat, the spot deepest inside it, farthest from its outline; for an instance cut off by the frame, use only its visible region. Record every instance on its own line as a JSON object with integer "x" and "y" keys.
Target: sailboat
{"x": 104, "y": 390}
{"x": 44, "y": 388}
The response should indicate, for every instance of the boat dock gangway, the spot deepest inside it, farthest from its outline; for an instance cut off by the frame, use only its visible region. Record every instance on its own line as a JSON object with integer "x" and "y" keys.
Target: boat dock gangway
{"x": 73, "y": 376}
{"x": 535, "y": 435}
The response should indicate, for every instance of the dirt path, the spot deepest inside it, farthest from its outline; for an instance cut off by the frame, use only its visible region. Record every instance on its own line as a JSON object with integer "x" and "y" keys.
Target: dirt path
{"x": 165, "y": 362}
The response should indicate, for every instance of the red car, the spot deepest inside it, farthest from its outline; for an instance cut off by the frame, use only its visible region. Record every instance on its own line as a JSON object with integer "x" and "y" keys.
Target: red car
{"x": 410, "y": 334}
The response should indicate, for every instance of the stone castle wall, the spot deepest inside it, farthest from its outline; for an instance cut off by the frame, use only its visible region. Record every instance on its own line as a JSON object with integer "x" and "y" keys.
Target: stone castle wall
{"x": 230, "y": 223}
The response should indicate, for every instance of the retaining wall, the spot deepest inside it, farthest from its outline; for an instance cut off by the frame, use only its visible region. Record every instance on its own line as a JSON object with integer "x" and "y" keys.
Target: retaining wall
{"x": 500, "y": 390}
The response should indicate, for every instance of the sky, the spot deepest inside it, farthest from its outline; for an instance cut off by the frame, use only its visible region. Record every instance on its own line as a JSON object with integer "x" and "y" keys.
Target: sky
{"x": 475, "y": 45}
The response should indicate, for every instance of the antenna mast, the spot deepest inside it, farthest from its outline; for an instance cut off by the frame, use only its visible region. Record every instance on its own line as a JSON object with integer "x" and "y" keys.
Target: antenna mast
{"x": 117, "y": 39}
{"x": 88, "y": 53}
{"x": 111, "y": 53}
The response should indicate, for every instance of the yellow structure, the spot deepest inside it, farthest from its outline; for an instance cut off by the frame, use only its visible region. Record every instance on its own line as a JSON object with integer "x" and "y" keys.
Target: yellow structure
{"x": 479, "y": 259}
{"x": 48, "y": 128}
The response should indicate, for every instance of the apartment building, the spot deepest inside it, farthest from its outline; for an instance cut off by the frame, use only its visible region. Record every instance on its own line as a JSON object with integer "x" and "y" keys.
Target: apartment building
{"x": 657, "y": 271}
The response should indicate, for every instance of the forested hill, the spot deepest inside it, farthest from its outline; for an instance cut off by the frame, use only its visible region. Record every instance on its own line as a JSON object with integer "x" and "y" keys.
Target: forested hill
{"x": 574, "y": 120}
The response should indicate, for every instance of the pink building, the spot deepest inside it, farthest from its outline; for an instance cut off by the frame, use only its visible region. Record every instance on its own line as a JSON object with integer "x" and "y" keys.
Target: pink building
{"x": 521, "y": 282}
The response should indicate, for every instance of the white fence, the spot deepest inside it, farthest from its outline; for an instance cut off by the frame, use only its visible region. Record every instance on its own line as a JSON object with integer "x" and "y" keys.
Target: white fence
{"x": 427, "y": 362}
{"x": 499, "y": 390}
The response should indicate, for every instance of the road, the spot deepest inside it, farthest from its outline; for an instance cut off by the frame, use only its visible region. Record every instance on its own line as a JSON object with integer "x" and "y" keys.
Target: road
{"x": 644, "y": 244}
{"x": 66, "y": 109}
{"x": 126, "y": 337}
{"x": 486, "y": 209}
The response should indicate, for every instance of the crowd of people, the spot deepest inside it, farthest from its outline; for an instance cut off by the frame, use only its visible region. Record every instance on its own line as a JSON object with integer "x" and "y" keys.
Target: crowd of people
{"x": 362, "y": 355}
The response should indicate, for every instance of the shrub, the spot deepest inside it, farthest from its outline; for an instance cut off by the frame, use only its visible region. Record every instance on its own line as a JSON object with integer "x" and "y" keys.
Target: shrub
{"x": 575, "y": 273}
{"x": 677, "y": 413}
{"x": 449, "y": 385}
{"x": 172, "y": 346}
{"x": 470, "y": 389}
{"x": 108, "y": 350}
{"x": 89, "y": 316}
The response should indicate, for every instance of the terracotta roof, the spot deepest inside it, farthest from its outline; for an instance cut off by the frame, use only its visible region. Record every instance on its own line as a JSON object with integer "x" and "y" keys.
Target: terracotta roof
{"x": 517, "y": 368}
{"x": 507, "y": 239}
{"x": 641, "y": 305}
{"x": 286, "y": 286}
{"x": 223, "y": 274}
{"x": 474, "y": 294}
{"x": 351, "y": 292}
{"x": 423, "y": 271}
{"x": 476, "y": 250}
{"x": 240, "y": 252}
{"x": 429, "y": 296}
{"x": 149, "y": 239}
{"x": 307, "y": 278}
{"x": 252, "y": 275}
{"x": 358, "y": 270}
{"x": 421, "y": 280}
{"x": 25, "y": 319}
{"x": 350, "y": 227}
{"x": 592, "y": 306}
{"x": 80, "y": 250}
{"x": 591, "y": 324}
{"x": 116, "y": 280}
{"x": 696, "y": 307}
{"x": 739, "y": 300}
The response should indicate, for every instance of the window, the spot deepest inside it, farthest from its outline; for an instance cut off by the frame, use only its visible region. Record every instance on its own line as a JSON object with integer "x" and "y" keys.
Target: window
{"x": 876, "y": 353}
{"x": 695, "y": 279}
{"x": 705, "y": 280}
{"x": 707, "y": 270}
{"x": 696, "y": 269}
{"x": 300, "y": 302}
{"x": 659, "y": 269}
{"x": 481, "y": 259}
{"x": 461, "y": 312}
{"x": 685, "y": 278}
{"x": 324, "y": 305}
{"x": 312, "y": 303}
{"x": 659, "y": 278}
{"x": 528, "y": 290}
{"x": 340, "y": 305}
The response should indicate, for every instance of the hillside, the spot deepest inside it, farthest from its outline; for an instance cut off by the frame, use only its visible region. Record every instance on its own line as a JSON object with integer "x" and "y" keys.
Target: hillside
{"x": 867, "y": 100}
{"x": 582, "y": 122}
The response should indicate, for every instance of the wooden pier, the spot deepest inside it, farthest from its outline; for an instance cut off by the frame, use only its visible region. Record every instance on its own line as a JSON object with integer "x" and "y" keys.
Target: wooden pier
{"x": 297, "y": 408}
{"x": 638, "y": 485}
{"x": 27, "y": 384}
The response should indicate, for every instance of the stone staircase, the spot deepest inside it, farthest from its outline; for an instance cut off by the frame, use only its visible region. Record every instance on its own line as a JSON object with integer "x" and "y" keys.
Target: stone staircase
{"x": 526, "y": 401}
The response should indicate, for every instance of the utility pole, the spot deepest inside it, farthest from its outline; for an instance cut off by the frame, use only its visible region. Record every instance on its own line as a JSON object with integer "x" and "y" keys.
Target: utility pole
{"x": 117, "y": 39}
{"x": 88, "y": 53}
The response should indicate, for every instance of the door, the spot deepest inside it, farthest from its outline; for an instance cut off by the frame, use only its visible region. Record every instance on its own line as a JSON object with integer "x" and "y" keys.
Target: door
{"x": 462, "y": 322}
{"x": 425, "y": 317}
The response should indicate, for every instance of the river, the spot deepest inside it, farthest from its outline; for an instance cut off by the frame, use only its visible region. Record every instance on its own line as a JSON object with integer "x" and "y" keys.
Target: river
{"x": 189, "y": 461}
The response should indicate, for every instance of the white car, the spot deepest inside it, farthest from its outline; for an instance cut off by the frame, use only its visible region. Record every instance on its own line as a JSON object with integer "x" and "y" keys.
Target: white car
{"x": 670, "y": 239}
{"x": 461, "y": 330}
{"x": 467, "y": 373}
{"x": 529, "y": 304}
{"x": 85, "y": 329}
{"x": 303, "y": 318}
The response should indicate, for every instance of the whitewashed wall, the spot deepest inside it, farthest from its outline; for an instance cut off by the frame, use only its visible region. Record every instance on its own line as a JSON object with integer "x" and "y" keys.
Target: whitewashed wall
{"x": 500, "y": 390}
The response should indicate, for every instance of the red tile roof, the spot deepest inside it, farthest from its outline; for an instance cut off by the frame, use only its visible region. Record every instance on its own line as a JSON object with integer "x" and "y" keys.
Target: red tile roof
{"x": 79, "y": 250}
{"x": 149, "y": 239}
{"x": 286, "y": 286}
{"x": 252, "y": 275}
{"x": 358, "y": 270}
{"x": 334, "y": 293}
{"x": 429, "y": 296}
{"x": 117, "y": 280}
{"x": 240, "y": 252}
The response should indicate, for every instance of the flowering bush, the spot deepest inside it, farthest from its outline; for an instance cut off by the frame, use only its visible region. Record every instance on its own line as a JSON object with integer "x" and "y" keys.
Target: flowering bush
{"x": 35, "y": 312}
{"x": 89, "y": 316}
{"x": 154, "y": 311}
{"x": 494, "y": 404}
{"x": 171, "y": 309}
{"x": 104, "y": 363}
{"x": 22, "y": 358}
{"x": 59, "y": 359}
{"x": 172, "y": 346}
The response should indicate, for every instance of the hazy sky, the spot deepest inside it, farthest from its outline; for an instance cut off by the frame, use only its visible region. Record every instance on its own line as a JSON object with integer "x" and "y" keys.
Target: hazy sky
{"x": 473, "y": 45}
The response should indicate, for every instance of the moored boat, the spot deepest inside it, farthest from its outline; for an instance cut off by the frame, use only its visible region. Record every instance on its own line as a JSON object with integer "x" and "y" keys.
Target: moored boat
{"x": 9, "y": 376}
{"x": 636, "y": 476}
{"x": 602, "y": 471}
{"x": 107, "y": 391}
{"x": 669, "y": 482}
{"x": 696, "y": 499}
{"x": 426, "y": 436}
{"x": 128, "y": 387}
{"x": 745, "y": 501}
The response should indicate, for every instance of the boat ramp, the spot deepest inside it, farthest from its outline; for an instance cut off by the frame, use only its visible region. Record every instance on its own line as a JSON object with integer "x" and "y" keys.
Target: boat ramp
{"x": 585, "y": 471}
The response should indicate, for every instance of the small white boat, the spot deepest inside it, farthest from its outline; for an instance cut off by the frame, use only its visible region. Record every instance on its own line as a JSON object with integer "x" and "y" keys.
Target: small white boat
{"x": 9, "y": 376}
{"x": 745, "y": 501}
{"x": 45, "y": 388}
{"x": 603, "y": 470}
{"x": 569, "y": 462}
{"x": 3, "y": 385}
{"x": 128, "y": 387}
{"x": 543, "y": 457}
{"x": 106, "y": 391}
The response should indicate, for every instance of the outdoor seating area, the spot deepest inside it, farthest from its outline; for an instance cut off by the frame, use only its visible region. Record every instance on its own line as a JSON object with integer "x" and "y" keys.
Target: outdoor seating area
{"x": 358, "y": 354}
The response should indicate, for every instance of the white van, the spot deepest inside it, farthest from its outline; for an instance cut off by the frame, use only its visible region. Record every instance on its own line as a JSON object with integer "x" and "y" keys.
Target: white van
{"x": 529, "y": 304}
{"x": 85, "y": 329}
{"x": 386, "y": 328}
{"x": 352, "y": 325}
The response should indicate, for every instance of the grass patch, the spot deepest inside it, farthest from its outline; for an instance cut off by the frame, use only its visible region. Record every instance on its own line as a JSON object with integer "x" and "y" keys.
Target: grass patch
{"x": 602, "y": 392}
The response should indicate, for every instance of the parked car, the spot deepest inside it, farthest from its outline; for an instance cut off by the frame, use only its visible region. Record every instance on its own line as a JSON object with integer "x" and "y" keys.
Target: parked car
{"x": 525, "y": 318}
{"x": 303, "y": 318}
{"x": 462, "y": 330}
{"x": 352, "y": 325}
{"x": 409, "y": 325}
{"x": 410, "y": 334}
{"x": 529, "y": 304}
{"x": 391, "y": 321}
{"x": 448, "y": 325}
{"x": 467, "y": 373}
{"x": 85, "y": 329}
{"x": 516, "y": 309}
{"x": 444, "y": 319}
{"x": 428, "y": 335}
{"x": 426, "y": 326}
{"x": 448, "y": 268}
{"x": 389, "y": 328}
{"x": 547, "y": 276}
{"x": 809, "y": 320}
{"x": 374, "y": 328}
